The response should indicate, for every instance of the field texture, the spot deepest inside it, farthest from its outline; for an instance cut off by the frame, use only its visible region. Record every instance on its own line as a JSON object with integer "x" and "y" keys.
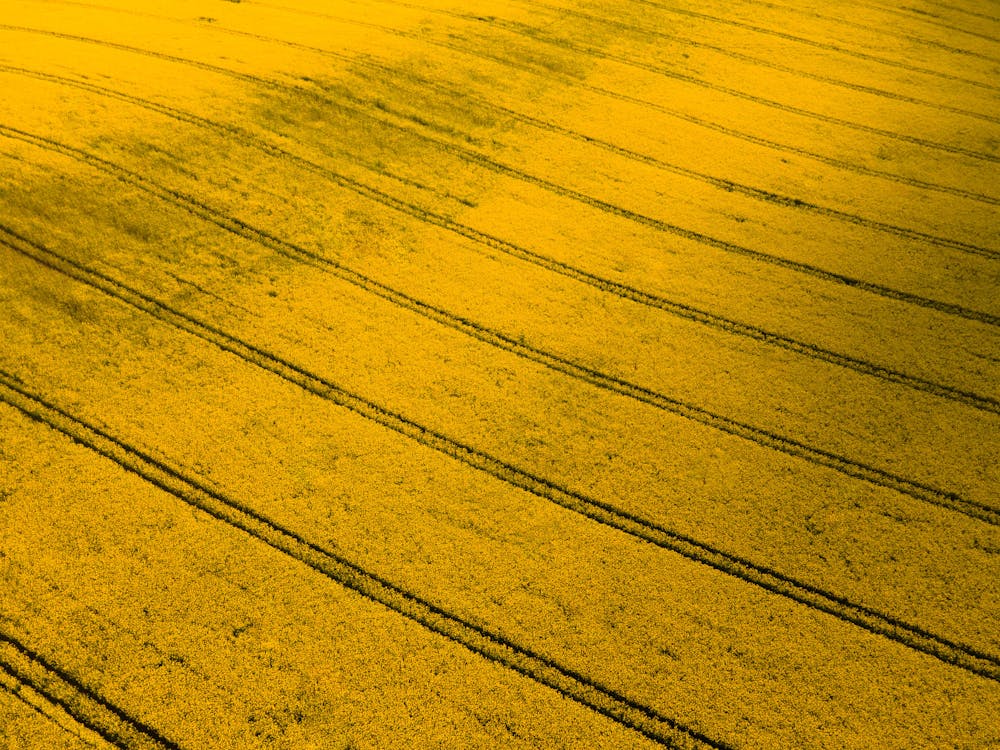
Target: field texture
{"x": 508, "y": 374}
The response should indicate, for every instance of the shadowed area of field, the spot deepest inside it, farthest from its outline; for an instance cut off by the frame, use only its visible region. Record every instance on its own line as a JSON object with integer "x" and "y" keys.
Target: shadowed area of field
{"x": 537, "y": 374}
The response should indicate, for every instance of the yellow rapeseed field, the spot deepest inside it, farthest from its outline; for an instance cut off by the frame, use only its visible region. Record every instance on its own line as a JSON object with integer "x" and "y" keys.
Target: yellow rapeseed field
{"x": 508, "y": 374}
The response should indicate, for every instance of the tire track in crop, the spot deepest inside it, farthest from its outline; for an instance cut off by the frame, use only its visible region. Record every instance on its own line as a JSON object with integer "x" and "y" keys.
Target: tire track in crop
{"x": 912, "y": 636}
{"x": 964, "y": 11}
{"x": 246, "y": 136}
{"x": 761, "y": 437}
{"x": 762, "y": 62}
{"x": 488, "y": 644}
{"x": 569, "y": 81}
{"x": 721, "y": 183}
{"x": 820, "y": 45}
{"x": 656, "y": 224}
{"x": 913, "y": 14}
{"x": 538, "y": 35}
{"x": 563, "y": 79}
{"x": 883, "y": 31}
{"x": 717, "y": 182}
{"x": 110, "y": 628}
{"x": 687, "y": 312}
{"x": 473, "y": 157}
{"x": 514, "y": 345}
{"x": 18, "y": 694}
{"x": 265, "y": 239}
{"x": 61, "y": 688}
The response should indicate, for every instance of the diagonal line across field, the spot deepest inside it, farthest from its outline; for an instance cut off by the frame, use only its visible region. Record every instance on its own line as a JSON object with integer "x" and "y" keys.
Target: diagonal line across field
{"x": 19, "y": 693}
{"x": 820, "y": 45}
{"x": 912, "y": 636}
{"x": 537, "y": 374}
{"x": 659, "y": 225}
{"x": 725, "y": 184}
{"x": 930, "y": 19}
{"x": 773, "y": 64}
{"x": 568, "y": 81}
{"x": 572, "y": 82}
{"x": 730, "y": 186}
{"x": 884, "y": 32}
{"x": 967, "y": 12}
{"x": 762, "y": 62}
{"x": 60, "y": 688}
{"x": 847, "y": 466}
{"x": 733, "y": 327}
{"x": 491, "y": 645}
{"x": 715, "y": 181}
{"x": 538, "y": 35}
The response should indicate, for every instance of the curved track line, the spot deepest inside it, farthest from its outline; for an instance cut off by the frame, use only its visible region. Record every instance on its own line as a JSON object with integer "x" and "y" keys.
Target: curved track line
{"x": 764, "y": 438}
{"x": 668, "y": 111}
{"x": 721, "y": 183}
{"x": 480, "y": 640}
{"x": 761, "y": 62}
{"x": 965, "y": 11}
{"x": 18, "y": 694}
{"x": 509, "y": 343}
{"x": 912, "y": 14}
{"x": 653, "y": 223}
{"x": 912, "y": 636}
{"x": 565, "y": 80}
{"x": 821, "y": 45}
{"x": 86, "y": 706}
{"x": 539, "y": 35}
{"x": 882, "y": 31}
{"x": 717, "y": 182}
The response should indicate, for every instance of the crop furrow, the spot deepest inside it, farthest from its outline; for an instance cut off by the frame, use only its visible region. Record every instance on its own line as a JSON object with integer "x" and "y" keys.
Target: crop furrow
{"x": 882, "y": 31}
{"x": 949, "y": 651}
{"x": 762, "y": 62}
{"x": 764, "y": 438}
{"x": 537, "y": 35}
{"x": 489, "y": 644}
{"x": 753, "y": 434}
{"x": 573, "y": 82}
{"x": 821, "y": 45}
{"x": 61, "y": 688}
